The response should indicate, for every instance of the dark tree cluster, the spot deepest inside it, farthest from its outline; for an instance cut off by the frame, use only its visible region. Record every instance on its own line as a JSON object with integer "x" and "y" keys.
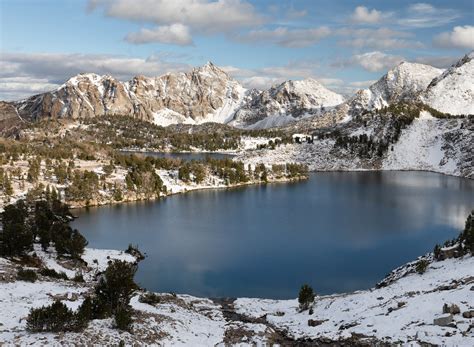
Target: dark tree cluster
{"x": 111, "y": 298}
{"x": 46, "y": 221}
{"x": 57, "y": 317}
{"x": 142, "y": 179}
{"x": 16, "y": 236}
{"x": 84, "y": 186}
{"x": 230, "y": 171}
{"x": 396, "y": 117}
{"x": 192, "y": 168}
{"x": 121, "y": 131}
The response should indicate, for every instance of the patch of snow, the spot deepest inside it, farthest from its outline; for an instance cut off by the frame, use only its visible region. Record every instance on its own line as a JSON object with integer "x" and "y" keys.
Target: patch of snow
{"x": 453, "y": 91}
{"x": 401, "y": 312}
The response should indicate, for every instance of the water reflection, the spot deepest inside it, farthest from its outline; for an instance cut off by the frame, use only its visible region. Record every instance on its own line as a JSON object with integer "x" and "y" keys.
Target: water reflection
{"x": 338, "y": 231}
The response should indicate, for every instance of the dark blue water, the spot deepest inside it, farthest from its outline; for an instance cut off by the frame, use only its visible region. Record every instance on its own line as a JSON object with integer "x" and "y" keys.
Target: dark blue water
{"x": 336, "y": 231}
{"x": 183, "y": 155}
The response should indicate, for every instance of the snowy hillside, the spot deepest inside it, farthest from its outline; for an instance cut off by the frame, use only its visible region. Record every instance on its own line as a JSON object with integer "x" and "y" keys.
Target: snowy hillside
{"x": 403, "y": 311}
{"x": 402, "y": 83}
{"x": 453, "y": 91}
{"x": 286, "y": 103}
{"x": 428, "y": 143}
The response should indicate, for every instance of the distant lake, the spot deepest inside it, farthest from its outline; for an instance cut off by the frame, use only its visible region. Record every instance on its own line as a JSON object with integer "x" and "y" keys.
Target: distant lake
{"x": 337, "y": 231}
{"x": 184, "y": 155}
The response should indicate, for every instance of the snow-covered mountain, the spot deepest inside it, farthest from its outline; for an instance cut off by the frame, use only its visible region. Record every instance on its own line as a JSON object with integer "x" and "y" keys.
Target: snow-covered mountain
{"x": 285, "y": 103}
{"x": 453, "y": 91}
{"x": 205, "y": 94}
{"x": 402, "y": 83}
{"x": 209, "y": 94}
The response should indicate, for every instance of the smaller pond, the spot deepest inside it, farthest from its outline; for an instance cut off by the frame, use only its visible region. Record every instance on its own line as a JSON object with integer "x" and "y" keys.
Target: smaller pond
{"x": 186, "y": 156}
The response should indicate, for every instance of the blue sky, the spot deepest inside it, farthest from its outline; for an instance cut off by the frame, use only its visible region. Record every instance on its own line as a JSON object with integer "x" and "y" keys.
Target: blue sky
{"x": 345, "y": 44}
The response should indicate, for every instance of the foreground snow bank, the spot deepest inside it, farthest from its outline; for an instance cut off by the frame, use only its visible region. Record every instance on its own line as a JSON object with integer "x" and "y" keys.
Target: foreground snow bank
{"x": 401, "y": 312}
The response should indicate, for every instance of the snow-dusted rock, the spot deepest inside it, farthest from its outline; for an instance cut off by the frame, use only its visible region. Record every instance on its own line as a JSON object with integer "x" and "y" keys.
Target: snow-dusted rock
{"x": 205, "y": 94}
{"x": 453, "y": 91}
{"x": 402, "y": 83}
{"x": 285, "y": 103}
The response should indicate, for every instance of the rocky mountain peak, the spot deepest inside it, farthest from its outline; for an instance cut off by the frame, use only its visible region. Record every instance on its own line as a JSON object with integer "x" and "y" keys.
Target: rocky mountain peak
{"x": 210, "y": 70}
{"x": 208, "y": 94}
{"x": 453, "y": 91}
{"x": 285, "y": 103}
{"x": 401, "y": 83}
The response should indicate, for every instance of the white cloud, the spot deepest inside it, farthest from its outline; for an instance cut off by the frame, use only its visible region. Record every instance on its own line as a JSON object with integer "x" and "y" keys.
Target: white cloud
{"x": 423, "y": 15}
{"x": 461, "y": 37}
{"x": 376, "y": 61}
{"x": 175, "y": 34}
{"x": 362, "y": 84}
{"x": 264, "y": 78}
{"x": 14, "y": 88}
{"x": 362, "y": 15}
{"x": 286, "y": 37}
{"x": 380, "y": 39}
{"x": 441, "y": 62}
{"x": 261, "y": 82}
{"x": 177, "y": 18}
{"x": 24, "y": 74}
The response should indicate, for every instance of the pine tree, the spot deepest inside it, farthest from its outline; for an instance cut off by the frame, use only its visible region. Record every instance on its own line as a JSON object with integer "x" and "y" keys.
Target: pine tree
{"x": 305, "y": 297}
{"x": 7, "y": 185}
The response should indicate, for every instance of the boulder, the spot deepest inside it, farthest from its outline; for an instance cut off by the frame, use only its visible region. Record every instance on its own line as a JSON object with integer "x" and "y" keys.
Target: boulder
{"x": 315, "y": 322}
{"x": 468, "y": 314}
{"x": 443, "y": 320}
{"x": 453, "y": 309}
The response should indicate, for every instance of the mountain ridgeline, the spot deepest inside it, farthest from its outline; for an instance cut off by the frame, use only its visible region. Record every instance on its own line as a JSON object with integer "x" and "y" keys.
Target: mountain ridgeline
{"x": 209, "y": 94}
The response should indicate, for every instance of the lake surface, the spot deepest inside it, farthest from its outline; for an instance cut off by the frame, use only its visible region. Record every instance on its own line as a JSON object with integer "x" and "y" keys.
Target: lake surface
{"x": 183, "y": 155}
{"x": 336, "y": 231}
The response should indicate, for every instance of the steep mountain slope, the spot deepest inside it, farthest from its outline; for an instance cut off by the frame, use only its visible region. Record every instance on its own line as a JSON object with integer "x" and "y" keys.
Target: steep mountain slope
{"x": 205, "y": 94}
{"x": 402, "y": 83}
{"x": 453, "y": 91}
{"x": 9, "y": 118}
{"x": 285, "y": 103}
{"x": 381, "y": 141}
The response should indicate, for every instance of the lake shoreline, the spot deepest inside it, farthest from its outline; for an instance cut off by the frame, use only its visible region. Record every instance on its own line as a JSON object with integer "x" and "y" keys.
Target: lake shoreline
{"x": 186, "y": 189}
{"x": 256, "y": 183}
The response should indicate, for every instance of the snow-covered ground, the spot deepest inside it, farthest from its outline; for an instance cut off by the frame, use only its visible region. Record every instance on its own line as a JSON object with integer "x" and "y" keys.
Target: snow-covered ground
{"x": 402, "y": 312}
{"x": 428, "y": 143}
{"x": 453, "y": 91}
{"x": 420, "y": 147}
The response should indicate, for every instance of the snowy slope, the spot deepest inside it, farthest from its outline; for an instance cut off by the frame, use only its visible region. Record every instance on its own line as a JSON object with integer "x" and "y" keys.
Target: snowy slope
{"x": 285, "y": 103}
{"x": 453, "y": 91}
{"x": 420, "y": 147}
{"x": 401, "y": 312}
{"x": 428, "y": 143}
{"x": 402, "y": 83}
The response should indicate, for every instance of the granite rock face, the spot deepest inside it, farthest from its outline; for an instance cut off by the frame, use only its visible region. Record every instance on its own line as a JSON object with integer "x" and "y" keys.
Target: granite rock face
{"x": 203, "y": 94}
